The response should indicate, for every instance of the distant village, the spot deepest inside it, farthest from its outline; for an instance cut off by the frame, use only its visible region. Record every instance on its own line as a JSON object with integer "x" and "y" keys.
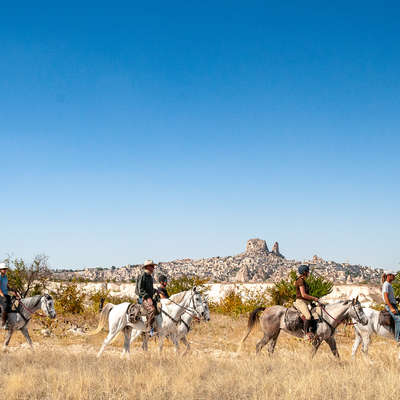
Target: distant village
{"x": 255, "y": 264}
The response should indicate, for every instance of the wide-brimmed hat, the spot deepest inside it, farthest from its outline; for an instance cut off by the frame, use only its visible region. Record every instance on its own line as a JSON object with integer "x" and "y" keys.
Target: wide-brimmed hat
{"x": 149, "y": 263}
{"x": 3, "y": 266}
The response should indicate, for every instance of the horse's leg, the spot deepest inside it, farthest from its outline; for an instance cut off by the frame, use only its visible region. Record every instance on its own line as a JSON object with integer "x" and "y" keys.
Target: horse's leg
{"x": 272, "y": 343}
{"x": 175, "y": 341}
{"x": 316, "y": 343}
{"x": 135, "y": 334}
{"x": 111, "y": 335}
{"x": 161, "y": 343}
{"x": 127, "y": 341}
{"x": 187, "y": 344}
{"x": 25, "y": 332}
{"x": 366, "y": 339}
{"x": 262, "y": 343}
{"x": 7, "y": 339}
{"x": 357, "y": 342}
{"x": 332, "y": 344}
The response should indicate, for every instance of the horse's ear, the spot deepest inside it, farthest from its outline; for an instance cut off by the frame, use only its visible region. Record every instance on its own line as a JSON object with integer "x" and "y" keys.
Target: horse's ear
{"x": 353, "y": 301}
{"x": 194, "y": 289}
{"x": 357, "y": 299}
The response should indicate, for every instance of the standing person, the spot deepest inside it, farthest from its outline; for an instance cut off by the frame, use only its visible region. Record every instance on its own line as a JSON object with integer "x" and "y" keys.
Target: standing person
{"x": 145, "y": 291}
{"x": 303, "y": 299}
{"x": 390, "y": 302}
{"x": 5, "y": 299}
{"x": 162, "y": 287}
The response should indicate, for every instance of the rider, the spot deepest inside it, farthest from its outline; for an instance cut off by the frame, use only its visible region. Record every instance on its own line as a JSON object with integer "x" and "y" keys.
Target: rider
{"x": 145, "y": 291}
{"x": 5, "y": 299}
{"x": 162, "y": 287}
{"x": 390, "y": 301}
{"x": 303, "y": 299}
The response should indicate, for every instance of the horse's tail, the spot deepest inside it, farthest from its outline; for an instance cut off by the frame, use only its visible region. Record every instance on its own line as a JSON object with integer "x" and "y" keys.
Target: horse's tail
{"x": 103, "y": 318}
{"x": 253, "y": 319}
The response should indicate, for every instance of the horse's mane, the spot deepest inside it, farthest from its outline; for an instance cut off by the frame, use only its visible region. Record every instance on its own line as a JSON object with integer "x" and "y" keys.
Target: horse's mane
{"x": 32, "y": 301}
{"x": 178, "y": 297}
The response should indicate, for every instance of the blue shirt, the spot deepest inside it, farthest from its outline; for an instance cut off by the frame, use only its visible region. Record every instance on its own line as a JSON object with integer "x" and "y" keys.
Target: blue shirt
{"x": 4, "y": 284}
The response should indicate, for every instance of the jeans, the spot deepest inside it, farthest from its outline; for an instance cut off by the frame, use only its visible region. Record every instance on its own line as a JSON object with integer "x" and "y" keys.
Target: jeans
{"x": 396, "y": 318}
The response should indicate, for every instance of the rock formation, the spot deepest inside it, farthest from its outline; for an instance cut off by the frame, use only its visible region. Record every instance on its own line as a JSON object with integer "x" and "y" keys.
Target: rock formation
{"x": 275, "y": 250}
{"x": 256, "y": 246}
{"x": 243, "y": 275}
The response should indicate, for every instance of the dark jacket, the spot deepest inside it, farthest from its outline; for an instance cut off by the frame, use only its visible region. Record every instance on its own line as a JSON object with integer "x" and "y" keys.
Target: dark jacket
{"x": 162, "y": 291}
{"x": 144, "y": 286}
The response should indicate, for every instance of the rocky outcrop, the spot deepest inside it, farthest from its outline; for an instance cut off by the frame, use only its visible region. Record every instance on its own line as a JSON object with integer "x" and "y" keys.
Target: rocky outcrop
{"x": 256, "y": 246}
{"x": 275, "y": 250}
{"x": 243, "y": 275}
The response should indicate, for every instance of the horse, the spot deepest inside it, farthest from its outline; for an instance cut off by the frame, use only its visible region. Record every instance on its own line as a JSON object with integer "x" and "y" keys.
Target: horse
{"x": 273, "y": 321}
{"x": 184, "y": 325}
{"x": 171, "y": 312}
{"x": 363, "y": 332}
{"x": 19, "y": 319}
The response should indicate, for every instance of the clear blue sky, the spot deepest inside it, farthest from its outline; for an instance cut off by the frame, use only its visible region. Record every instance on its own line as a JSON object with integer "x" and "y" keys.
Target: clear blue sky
{"x": 181, "y": 129}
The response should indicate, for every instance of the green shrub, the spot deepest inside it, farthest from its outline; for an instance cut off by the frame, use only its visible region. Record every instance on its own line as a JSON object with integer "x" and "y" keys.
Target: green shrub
{"x": 396, "y": 285}
{"x": 234, "y": 304}
{"x": 184, "y": 283}
{"x": 284, "y": 291}
{"x": 69, "y": 299}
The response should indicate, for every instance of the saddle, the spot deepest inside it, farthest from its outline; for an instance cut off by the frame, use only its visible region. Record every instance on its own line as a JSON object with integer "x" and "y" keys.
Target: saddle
{"x": 385, "y": 319}
{"x": 134, "y": 312}
{"x": 294, "y": 319}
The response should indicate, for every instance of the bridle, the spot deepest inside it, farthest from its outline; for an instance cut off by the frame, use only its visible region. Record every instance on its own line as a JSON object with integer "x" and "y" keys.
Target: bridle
{"x": 193, "y": 310}
{"x": 338, "y": 322}
{"x": 31, "y": 312}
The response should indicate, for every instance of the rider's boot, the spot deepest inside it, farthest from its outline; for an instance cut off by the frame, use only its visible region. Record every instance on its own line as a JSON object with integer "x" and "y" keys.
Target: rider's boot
{"x": 4, "y": 319}
{"x": 307, "y": 334}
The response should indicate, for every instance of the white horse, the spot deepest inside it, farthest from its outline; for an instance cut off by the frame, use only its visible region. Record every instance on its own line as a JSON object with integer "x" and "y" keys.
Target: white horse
{"x": 363, "y": 333}
{"x": 171, "y": 312}
{"x": 184, "y": 325}
{"x": 19, "y": 319}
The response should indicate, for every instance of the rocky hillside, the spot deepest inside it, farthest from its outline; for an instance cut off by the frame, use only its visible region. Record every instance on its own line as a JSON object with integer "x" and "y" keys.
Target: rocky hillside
{"x": 256, "y": 264}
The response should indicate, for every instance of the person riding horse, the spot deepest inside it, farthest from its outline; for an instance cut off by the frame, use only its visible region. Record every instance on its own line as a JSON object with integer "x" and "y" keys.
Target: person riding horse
{"x": 390, "y": 302}
{"x": 162, "y": 287}
{"x": 303, "y": 299}
{"x": 145, "y": 291}
{"x": 5, "y": 298}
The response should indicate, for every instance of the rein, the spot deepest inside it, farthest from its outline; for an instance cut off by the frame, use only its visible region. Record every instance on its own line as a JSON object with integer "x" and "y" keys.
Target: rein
{"x": 336, "y": 320}
{"x": 189, "y": 309}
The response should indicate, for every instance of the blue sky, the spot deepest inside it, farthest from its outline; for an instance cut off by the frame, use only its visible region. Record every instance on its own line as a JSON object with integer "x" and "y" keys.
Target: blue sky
{"x": 134, "y": 131}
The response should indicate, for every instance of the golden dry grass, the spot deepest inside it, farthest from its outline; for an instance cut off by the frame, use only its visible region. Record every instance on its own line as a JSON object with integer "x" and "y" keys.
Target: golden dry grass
{"x": 65, "y": 367}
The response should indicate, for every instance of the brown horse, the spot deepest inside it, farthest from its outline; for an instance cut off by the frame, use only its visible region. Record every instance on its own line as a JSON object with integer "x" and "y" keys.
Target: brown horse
{"x": 273, "y": 320}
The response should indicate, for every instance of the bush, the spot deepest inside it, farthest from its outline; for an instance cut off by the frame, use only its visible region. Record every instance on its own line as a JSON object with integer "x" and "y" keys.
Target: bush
{"x": 68, "y": 298}
{"x": 234, "y": 304}
{"x": 284, "y": 291}
{"x": 184, "y": 283}
{"x": 396, "y": 285}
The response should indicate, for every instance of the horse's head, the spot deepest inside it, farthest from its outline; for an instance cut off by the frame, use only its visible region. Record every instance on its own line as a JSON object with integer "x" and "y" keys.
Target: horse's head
{"x": 198, "y": 304}
{"x": 206, "y": 315}
{"x": 47, "y": 306}
{"x": 356, "y": 312}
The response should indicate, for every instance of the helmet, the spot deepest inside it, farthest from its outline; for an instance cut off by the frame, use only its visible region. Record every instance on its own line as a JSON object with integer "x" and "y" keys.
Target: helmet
{"x": 162, "y": 278}
{"x": 303, "y": 269}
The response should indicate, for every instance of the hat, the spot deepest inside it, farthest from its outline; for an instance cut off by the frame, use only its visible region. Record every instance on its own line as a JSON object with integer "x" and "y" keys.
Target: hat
{"x": 149, "y": 263}
{"x": 303, "y": 269}
{"x": 387, "y": 272}
{"x": 3, "y": 266}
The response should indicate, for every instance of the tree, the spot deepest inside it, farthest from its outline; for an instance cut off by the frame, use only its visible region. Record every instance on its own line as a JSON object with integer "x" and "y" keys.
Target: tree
{"x": 28, "y": 279}
{"x": 284, "y": 291}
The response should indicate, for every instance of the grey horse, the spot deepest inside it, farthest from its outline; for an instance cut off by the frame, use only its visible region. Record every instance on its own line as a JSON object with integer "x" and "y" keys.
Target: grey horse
{"x": 273, "y": 321}
{"x": 19, "y": 319}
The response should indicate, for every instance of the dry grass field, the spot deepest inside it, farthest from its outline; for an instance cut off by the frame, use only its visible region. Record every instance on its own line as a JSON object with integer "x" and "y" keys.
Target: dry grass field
{"x": 64, "y": 366}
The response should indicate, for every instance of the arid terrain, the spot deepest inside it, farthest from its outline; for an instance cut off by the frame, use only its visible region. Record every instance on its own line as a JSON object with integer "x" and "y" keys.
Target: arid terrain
{"x": 64, "y": 366}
